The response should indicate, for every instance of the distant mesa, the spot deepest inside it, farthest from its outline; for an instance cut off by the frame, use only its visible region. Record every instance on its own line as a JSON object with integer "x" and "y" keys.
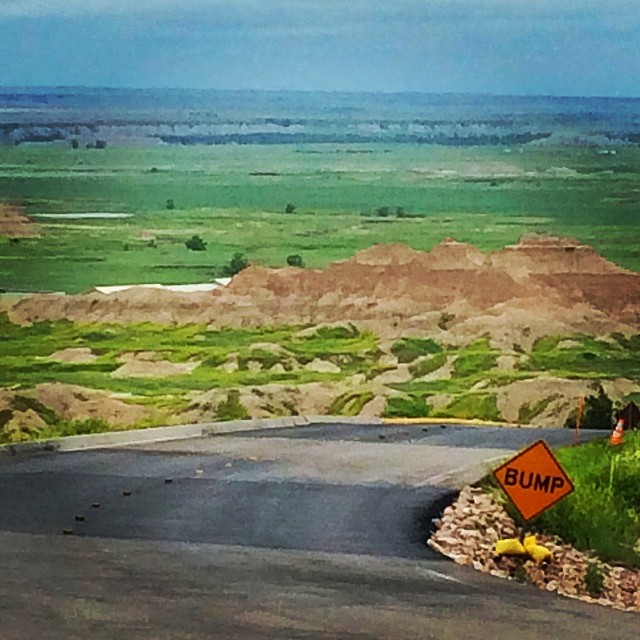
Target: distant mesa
{"x": 389, "y": 289}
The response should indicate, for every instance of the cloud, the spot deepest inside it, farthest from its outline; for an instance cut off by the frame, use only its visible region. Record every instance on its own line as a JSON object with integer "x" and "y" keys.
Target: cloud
{"x": 435, "y": 9}
{"x": 351, "y": 18}
{"x": 579, "y": 46}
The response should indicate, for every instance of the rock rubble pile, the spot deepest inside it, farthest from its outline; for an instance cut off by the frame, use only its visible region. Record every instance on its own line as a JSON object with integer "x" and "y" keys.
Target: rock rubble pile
{"x": 469, "y": 529}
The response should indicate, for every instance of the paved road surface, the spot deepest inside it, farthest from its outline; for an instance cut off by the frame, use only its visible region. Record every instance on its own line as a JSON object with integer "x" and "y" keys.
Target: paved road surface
{"x": 313, "y": 532}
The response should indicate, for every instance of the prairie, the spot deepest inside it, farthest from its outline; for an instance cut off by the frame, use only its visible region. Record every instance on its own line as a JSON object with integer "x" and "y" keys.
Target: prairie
{"x": 342, "y": 198}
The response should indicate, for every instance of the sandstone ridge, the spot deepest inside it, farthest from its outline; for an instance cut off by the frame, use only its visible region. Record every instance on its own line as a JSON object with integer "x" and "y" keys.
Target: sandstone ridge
{"x": 548, "y": 284}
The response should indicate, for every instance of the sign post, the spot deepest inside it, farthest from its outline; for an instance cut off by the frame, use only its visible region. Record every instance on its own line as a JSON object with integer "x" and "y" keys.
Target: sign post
{"x": 576, "y": 433}
{"x": 533, "y": 480}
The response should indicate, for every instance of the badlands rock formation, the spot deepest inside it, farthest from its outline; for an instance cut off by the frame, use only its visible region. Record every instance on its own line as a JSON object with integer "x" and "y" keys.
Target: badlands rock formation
{"x": 541, "y": 285}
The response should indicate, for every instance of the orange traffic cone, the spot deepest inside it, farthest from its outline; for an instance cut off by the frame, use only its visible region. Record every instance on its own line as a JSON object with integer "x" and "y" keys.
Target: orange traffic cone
{"x": 618, "y": 433}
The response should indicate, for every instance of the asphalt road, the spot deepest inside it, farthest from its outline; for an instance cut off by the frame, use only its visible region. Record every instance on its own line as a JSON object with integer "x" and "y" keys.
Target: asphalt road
{"x": 312, "y": 532}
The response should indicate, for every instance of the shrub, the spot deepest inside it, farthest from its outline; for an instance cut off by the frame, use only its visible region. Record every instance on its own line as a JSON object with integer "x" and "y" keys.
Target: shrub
{"x": 445, "y": 320}
{"x": 290, "y": 208}
{"x": 597, "y": 413}
{"x": 75, "y": 428}
{"x": 196, "y": 243}
{"x": 5, "y": 417}
{"x": 237, "y": 264}
{"x": 295, "y": 261}
{"x": 384, "y": 212}
{"x": 594, "y": 579}
{"x": 232, "y": 408}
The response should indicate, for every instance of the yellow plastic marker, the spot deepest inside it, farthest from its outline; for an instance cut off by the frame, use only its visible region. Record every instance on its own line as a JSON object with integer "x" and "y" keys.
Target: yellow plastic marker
{"x": 509, "y": 547}
{"x": 530, "y": 547}
{"x": 537, "y": 552}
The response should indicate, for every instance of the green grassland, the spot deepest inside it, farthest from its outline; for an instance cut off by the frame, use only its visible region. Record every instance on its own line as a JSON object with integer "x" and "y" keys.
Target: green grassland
{"x": 25, "y": 356}
{"x": 476, "y": 376}
{"x": 346, "y": 198}
{"x": 604, "y": 512}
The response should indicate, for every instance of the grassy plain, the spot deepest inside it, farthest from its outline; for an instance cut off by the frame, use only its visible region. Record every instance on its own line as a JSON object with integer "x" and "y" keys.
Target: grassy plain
{"x": 235, "y": 197}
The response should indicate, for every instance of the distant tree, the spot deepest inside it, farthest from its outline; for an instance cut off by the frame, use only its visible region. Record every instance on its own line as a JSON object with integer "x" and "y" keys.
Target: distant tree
{"x": 295, "y": 261}
{"x": 74, "y": 143}
{"x": 236, "y": 265}
{"x": 101, "y": 144}
{"x": 170, "y": 204}
{"x": 196, "y": 243}
{"x": 290, "y": 208}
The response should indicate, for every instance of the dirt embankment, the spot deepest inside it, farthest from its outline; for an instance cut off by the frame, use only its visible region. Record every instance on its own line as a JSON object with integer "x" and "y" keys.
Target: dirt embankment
{"x": 15, "y": 224}
{"x": 547, "y": 284}
{"x": 26, "y": 412}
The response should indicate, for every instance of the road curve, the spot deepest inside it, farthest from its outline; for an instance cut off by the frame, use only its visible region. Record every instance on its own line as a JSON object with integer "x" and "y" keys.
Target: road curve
{"x": 306, "y": 532}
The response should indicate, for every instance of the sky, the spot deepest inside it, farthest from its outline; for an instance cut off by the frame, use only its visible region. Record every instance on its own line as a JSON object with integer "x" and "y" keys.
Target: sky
{"x": 515, "y": 47}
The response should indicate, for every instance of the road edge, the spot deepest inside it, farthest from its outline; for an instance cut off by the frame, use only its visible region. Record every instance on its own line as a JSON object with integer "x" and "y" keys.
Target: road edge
{"x": 164, "y": 434}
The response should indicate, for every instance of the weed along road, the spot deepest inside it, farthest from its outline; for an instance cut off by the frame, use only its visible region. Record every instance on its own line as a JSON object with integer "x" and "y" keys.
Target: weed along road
{"x": 307, "y": 532}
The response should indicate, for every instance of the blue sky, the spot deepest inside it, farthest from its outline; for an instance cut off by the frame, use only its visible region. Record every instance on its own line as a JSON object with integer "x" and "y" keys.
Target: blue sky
{"x": 550, "y": 47}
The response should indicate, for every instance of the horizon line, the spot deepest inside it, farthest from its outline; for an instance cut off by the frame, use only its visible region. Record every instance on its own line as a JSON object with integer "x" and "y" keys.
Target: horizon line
{"x": 489, "y": 94}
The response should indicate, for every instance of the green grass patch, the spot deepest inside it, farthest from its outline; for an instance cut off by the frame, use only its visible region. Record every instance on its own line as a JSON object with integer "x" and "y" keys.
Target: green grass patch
{"x": 477, "y": 357}
{"x": 479, "y": 406}
{"x": 424, "y": 366}
{"x": 409, "y": 349}
{"x": 350, "y": 404}
{"x": 406, "y": 407}
{"x": 530, "y": 410}
{"x": 603, "y": 514}
{"x": 586, "y": 357}
{"x": 25, "y": 356}
{"x": 26, "y": 403}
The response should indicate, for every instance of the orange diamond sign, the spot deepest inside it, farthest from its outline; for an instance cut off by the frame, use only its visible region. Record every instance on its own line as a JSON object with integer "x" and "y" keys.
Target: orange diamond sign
{"x": 533, "y": 480}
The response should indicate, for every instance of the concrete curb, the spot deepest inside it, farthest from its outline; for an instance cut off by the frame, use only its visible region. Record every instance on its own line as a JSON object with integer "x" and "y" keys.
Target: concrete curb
{"x": 460, "y": 421}
{"x": 164, "y": 434}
